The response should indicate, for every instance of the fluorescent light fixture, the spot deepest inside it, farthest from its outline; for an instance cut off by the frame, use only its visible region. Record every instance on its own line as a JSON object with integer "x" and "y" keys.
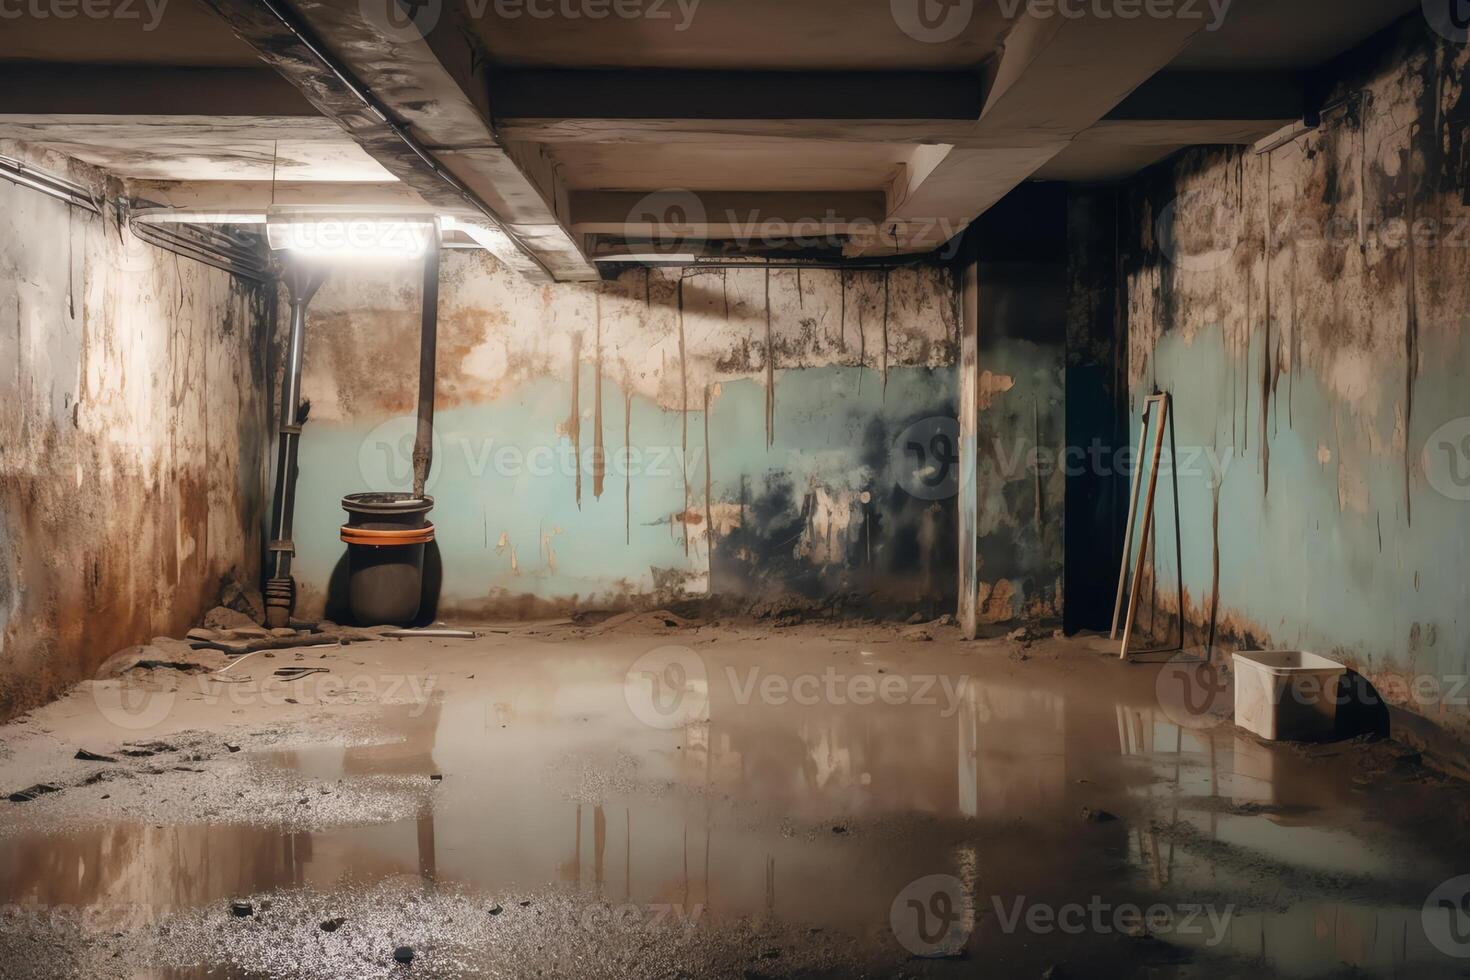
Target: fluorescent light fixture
{"x": 184, "y": 216}
{"x": 350, "y": 235}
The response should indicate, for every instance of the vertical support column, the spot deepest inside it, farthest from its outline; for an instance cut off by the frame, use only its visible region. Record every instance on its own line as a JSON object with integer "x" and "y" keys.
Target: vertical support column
{"x": 968, "y": 613}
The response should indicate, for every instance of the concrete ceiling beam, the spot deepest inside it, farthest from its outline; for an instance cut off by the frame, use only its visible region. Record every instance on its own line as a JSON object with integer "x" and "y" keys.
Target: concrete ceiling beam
{"x": 1055, "y": 77}
{"x": 546, "y": 106}
{"x": 1171, "y": 107}
{"x": 731, "y": 95}
{"x": 747, "y": 131}
{"x": 751, "y": 217}
{"x": 254, "y": 197}
{"x": 41, "y": 89}
{"x": 430, "y": 90}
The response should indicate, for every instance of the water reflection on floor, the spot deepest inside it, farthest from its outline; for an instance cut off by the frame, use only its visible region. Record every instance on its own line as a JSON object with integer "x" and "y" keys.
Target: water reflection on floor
{"x": 813, "y": 814}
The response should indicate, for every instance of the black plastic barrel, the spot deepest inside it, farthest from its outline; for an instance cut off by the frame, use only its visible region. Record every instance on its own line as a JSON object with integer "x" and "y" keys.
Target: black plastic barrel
{"x": 386, "y": 534}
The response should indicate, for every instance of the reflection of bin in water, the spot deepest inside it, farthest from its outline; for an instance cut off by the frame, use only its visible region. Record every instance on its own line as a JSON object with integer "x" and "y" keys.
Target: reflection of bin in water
{"x": 385, "y": 535}
{"x": 1287, "y": 695}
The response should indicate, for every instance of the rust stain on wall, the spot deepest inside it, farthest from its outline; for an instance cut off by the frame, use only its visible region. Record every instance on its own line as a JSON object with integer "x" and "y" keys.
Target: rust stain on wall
{"x": 133, "y": 432}
{"x": 627, "y": 469}
{"x": 684, "y": 409}
{"x": 599, "y": 460}
{"x": 770, "y": 358}
{"x": 998, "y": 602}
{"x": 573, "y": 426}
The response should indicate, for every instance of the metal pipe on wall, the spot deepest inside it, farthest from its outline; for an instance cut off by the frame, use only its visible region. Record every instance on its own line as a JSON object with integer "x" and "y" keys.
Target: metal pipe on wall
{"x": 423, "y": 445}
{"x": 303, "y": 278}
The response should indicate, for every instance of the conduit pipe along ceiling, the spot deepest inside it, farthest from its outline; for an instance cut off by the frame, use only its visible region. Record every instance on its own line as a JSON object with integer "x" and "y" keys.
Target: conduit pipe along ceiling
{"x": 331, "y": 231}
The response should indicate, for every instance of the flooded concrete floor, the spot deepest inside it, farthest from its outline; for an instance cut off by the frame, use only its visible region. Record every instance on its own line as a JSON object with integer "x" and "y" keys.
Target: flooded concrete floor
{"x": 720, "y": 801}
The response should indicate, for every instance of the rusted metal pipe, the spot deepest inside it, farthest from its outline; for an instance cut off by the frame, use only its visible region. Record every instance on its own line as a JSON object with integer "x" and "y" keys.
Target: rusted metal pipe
{"x": 303, "y": 278}
{"x": 423, "y": 444}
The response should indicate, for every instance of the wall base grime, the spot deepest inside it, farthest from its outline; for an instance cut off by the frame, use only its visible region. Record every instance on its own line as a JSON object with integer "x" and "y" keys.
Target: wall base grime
{"x": 132, "y": 432}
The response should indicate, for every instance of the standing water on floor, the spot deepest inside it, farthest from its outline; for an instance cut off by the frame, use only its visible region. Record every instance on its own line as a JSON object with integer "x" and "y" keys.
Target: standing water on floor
{"x": 542, "y": 806}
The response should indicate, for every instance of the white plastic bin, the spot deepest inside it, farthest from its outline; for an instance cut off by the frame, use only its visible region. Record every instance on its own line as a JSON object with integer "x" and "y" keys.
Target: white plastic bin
{"x": 1287, "y": 695}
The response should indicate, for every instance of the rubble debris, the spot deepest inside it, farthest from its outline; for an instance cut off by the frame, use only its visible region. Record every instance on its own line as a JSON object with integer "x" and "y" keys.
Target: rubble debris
{"x": 225, "y": 618}
{"x": 657, "y": 619}
{"x": 86, "y": 756}
{"x": 239, "y": 647}
{"x": 238, "y": 641}
{"x": 496, "y": 909}
{"x": 238, "y": 594}
{"x": 436, "y": 634}
{"x": 130, "y": 657}
{"x": 403, "y": 954}
{"x": 26, "y": 795}
{"x": 591, "y": 617}
{"x": 788, "y": 607}
{"x": 142, "y": 750}
{"x": 332, "y": 925}
{"x": 182, "y": 666}
{"x": 250, "y": 633}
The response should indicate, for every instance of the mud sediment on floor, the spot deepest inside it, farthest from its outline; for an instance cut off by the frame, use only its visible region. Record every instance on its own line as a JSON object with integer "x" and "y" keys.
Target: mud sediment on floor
{"x": 791, "y": 810}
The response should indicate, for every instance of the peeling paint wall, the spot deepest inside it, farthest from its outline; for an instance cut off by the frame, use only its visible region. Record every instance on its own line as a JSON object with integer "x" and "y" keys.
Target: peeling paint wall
{"x": 1308, "y": 310}
{"x": 743, "y": 434}
{"x": 132, "y": 426}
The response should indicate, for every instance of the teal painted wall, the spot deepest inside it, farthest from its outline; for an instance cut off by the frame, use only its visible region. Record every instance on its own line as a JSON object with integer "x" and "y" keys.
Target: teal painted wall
{"x": 811, "y": 506}
{"x": 1318, "y": 356}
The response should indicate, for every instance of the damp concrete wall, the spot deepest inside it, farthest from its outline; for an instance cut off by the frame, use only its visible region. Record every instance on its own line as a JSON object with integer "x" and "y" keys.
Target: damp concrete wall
{"x": 1020, "y": 252}
{"x": 1307, "y": 308}
{"x": 132, "y": 428}
{"x": 766, "y": 438}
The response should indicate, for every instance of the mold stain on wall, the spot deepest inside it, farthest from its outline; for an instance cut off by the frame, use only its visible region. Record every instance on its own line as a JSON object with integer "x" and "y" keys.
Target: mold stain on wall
{"x": 132, "y": 436}
{"x": 1307, "y": 309}
{"x": 758, "y": 454}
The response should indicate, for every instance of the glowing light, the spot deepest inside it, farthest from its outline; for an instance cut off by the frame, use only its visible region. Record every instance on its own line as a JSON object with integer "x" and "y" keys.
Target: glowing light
{"x": 347, "y": 235}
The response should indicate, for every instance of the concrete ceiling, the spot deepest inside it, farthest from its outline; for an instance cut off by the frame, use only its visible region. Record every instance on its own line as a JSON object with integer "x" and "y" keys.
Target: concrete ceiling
{"x": 1272, "y": 35}
{"x": 568, "y": 131}
{"x": 745, "y": 35}
{"x": 127, "y": 32}
{"x": 730, "y": 164}
{"x": 205, "y": 148}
